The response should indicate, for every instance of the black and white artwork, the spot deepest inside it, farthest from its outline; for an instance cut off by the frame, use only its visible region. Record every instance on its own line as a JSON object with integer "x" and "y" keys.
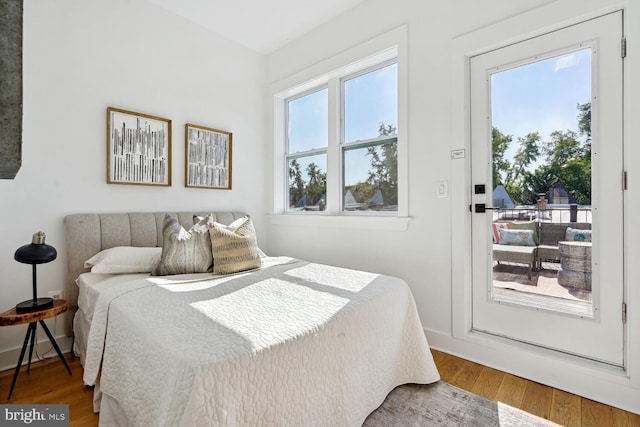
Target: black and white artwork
{"x": 139, "y": 148}
{"x": 208, "y": 157}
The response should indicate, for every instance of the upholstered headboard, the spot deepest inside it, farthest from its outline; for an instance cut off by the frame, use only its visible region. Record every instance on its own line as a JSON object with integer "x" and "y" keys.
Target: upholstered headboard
{"x": 88, "y": 234}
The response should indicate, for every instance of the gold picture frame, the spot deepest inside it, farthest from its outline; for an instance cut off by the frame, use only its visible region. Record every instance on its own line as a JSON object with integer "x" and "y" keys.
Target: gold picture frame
{"x": 208, "y": 155}
{"x": 138, "y": 148}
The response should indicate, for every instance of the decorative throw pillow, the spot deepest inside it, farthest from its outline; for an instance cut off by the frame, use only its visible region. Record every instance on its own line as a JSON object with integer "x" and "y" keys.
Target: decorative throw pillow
{"x": 575, "y": 235}
{"x": 527, "y": 225}
{"x": 235, "y": 247}
{"x": 497, "y": 226}
{"x": 233, "y": 226}
{"x": 185, "y": 251}
{"x": 124, "y": 259}
{"x": 516, "y": 237}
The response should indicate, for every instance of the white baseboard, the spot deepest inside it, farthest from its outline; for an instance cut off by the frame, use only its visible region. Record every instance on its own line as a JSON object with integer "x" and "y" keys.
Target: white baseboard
{"x": 43, "y": 349}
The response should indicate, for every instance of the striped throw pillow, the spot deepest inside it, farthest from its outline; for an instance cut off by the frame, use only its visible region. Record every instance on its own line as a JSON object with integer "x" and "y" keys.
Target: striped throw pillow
{"x": 185, "y": 251}
{"x": 496, "y": 226}
{"x": 235, "y": 247}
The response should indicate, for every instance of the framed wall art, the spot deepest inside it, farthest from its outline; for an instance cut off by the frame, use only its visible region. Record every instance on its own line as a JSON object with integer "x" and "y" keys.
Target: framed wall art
{"x": 207, "y": 157}
{"x": 138, "y": 148}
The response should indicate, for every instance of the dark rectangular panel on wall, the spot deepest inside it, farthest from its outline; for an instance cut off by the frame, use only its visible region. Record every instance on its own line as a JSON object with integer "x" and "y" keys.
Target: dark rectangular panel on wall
{"x": 10, "y": 88}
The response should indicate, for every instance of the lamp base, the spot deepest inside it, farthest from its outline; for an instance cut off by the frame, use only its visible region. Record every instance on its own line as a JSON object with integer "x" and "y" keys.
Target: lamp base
{"x": 34, "y": 305}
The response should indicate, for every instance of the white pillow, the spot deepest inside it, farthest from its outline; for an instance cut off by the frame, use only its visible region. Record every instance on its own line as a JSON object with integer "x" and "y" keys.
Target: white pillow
{"x": 233, "y": 227}
{"x": 124, "y": 259}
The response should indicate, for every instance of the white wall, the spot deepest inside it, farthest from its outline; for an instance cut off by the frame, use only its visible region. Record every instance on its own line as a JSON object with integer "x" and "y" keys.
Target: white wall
{"x": 424, "y": 254}
{"x": 82, "y": 56}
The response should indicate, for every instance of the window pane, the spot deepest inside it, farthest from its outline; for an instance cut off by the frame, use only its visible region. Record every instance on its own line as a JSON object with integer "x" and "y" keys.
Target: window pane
{"x": 371, "y": 104}
{"x": 541, "y": 151}
{"x": 308, "y": 183}
{"x": 308, "y": 122}
{"x": 371, "y": 177}
{"x": 541, "y": 129}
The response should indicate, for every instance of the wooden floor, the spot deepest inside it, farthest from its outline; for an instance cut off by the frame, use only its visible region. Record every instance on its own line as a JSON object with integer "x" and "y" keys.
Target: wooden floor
{"x": 48, "y": 382}
{"x": 556, "y": 405}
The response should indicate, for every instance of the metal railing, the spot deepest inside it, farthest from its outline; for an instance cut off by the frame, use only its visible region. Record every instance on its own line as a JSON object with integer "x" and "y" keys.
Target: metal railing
{"x": 552, "y": 213}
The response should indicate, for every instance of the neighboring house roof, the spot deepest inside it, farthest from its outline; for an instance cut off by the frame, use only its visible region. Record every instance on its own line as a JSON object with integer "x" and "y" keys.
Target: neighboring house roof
{"x": 559, "y": 195}
{"x": 302, "y": 202}
{"x": 501, "y": 198}
{"x": 377, "y": 198}
{"x": 349, "y": 199}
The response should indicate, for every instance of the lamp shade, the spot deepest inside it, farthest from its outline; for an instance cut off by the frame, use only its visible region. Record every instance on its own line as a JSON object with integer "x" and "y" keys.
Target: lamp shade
{"x": 37, "y": 252}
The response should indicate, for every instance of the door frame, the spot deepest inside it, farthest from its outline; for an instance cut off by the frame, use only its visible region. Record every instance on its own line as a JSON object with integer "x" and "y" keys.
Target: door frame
{"x": 600, "y": 336}
{"x": 580, "y": 376}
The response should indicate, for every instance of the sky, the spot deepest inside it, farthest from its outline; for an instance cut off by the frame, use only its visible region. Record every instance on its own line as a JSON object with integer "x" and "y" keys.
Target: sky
{"x": 541, "y": 96}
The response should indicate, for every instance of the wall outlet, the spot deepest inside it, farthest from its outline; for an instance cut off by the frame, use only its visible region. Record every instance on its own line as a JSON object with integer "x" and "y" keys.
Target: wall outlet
{"x": 59, "y": 294}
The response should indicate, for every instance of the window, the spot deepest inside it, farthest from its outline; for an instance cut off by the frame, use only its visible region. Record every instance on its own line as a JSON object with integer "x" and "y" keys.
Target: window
{"x": 357, "y": 171}
{"x": 369, "y": 142}
{"x": 340, "y": 149}
{"x": 307, "y": 138}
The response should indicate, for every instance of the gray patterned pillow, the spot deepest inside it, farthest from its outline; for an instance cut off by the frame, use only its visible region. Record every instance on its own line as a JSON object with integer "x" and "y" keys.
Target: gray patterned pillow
{"x": 185, "y": 251}
{"x": 235, "y": 247}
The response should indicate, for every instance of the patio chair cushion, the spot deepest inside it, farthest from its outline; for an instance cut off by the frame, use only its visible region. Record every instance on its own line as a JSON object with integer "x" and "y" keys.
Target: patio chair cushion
{"x": 527, "y": 225}
{"x": 516, "y": 237}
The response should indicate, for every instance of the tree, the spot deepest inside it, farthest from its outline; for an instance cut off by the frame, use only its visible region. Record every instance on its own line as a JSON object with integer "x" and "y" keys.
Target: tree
{"x": 317, "y": 186}
{"x": 383, "y": 174}
{"x": 567, "y": 159}
{"x": 576, "y": 175}
{"x": 363, "y": 191}
{"x": 528, "y": 152}
{"x": 314, "y": 188}
{"x": 570, "y": 163}
{"x": 584, "y": 120}
{"x": 386, "y": 130}
{"x": 579, "y": 171}
{"x": 297, "y": 189}
{"x": 584, "y": 127}
{"x": 563, "y": 146}
{"x": 536, "y": 182}
{"x": 499, "y": 145}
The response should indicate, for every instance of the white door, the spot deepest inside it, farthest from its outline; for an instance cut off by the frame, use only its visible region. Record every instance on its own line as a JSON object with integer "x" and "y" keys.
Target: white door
{"x": 525, "y": 93}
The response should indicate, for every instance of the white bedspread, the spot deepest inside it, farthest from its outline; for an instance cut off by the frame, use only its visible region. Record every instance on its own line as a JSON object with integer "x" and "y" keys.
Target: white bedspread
{"x": 292, "y": 344}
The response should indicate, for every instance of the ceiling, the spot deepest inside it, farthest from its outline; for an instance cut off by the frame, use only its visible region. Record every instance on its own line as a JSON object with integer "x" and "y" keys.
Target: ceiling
{"x": 261, "y": 25}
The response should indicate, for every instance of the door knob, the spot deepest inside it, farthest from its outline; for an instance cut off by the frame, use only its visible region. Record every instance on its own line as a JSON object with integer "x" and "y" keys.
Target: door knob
{"x": 481, "y": 208}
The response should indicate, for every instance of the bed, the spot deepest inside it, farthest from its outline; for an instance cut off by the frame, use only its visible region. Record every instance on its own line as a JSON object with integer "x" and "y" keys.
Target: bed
{"x": 288, "y": 343}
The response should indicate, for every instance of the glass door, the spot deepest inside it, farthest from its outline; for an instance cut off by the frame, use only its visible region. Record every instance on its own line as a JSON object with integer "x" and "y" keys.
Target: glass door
{"x": 546, "y": 136}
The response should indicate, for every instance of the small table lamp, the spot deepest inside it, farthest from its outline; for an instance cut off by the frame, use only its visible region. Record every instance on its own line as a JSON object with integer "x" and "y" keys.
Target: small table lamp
{"x": 35, "y": 253}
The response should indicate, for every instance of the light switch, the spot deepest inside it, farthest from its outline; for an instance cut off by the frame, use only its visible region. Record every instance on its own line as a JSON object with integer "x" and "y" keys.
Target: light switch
{"x": 442, "y": 189}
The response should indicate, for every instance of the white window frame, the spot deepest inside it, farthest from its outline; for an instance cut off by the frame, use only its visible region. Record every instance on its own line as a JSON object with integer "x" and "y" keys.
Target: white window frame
{"x": 376, "y": 53}
{"x": 346, "y": 145}
{"x": 298, "y": 154}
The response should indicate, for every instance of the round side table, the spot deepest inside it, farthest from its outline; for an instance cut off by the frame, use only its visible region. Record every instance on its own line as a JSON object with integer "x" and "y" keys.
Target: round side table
{"x": 12, "y": 317}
